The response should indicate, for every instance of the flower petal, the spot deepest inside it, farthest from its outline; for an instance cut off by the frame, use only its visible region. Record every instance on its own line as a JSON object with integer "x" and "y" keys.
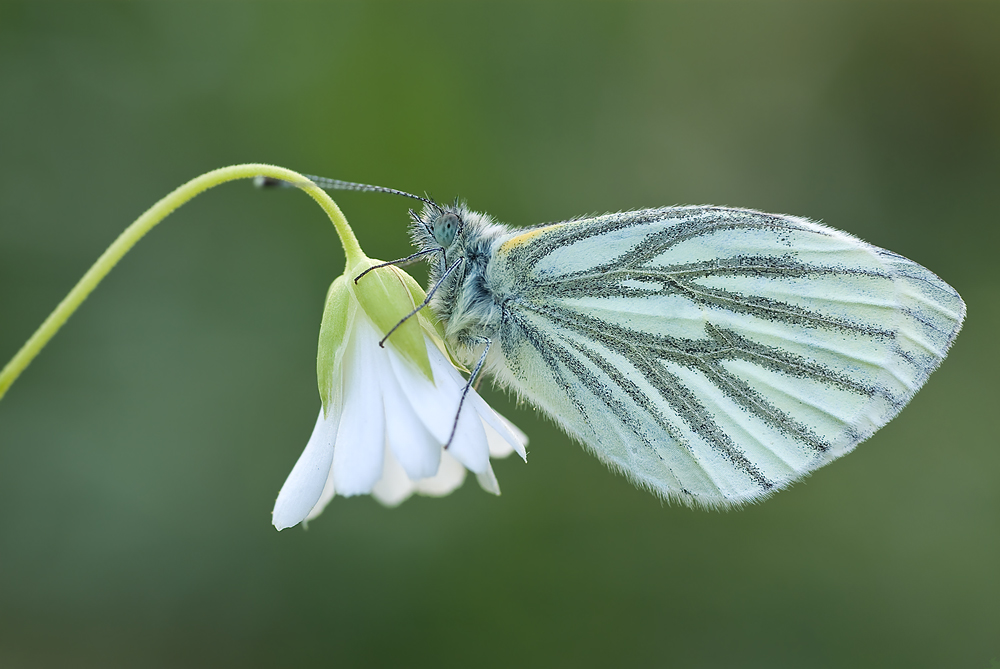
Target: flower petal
{"x": 502, "y": 427}
{"x": 410, "y": 442}
{"x": 499, "y": 447}
{"x": 328, "y": 494}
{"x": 469, "y": 445}
{"x": 426, "y": 398}
{"x": 357, "y": 460}
{"x": 305, "y": 484}
{"x": 488, "y": 481}
{"x": 450, "y": 475}
{"x": 395, "y": 486}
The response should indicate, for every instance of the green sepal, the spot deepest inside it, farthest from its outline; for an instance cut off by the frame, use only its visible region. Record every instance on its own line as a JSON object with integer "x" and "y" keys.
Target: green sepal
{"x": 338, "y": 317}
{"x": 387, "y": 299}
{"x": 431, "y": 325}
{"x": 418, "y": 295}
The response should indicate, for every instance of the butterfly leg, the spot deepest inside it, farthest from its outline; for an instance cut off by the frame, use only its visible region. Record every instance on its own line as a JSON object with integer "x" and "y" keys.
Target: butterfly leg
{"x": 402, "y": 262}
{"x": 473, "y": 378}
{"x": 427, "y": 300}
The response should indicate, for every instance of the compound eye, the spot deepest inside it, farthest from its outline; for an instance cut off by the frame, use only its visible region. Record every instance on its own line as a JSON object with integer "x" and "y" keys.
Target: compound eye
{"x": 445, "y": 229}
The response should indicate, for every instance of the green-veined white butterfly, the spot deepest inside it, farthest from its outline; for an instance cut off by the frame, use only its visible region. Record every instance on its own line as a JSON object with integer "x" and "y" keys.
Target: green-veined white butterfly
{"x": 713, "y": 355}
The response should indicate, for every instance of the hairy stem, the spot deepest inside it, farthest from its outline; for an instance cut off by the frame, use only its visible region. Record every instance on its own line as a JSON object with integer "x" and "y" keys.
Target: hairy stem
{"x": 144, "y": 224}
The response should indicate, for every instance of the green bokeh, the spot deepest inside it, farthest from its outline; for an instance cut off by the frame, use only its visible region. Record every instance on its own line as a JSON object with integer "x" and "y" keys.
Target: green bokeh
{"x": 141, "y": 453}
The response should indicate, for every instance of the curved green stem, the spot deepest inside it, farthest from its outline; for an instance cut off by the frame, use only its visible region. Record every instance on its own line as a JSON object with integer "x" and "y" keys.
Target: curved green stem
{"x": 144, "y": 224}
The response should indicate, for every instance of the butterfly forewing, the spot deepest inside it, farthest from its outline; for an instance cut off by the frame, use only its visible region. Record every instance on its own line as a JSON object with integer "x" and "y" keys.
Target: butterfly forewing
{"x": 715, "y": 355}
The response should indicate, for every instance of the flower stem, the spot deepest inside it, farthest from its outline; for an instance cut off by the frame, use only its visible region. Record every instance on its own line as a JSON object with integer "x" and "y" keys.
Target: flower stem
{"x": 133, "y": 233}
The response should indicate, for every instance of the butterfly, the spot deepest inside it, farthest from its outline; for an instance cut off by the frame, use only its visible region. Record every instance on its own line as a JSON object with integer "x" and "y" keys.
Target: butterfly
{"x": 712, "y": 355}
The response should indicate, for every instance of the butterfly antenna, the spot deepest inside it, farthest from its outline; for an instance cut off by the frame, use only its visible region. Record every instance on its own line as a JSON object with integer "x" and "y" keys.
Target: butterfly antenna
{"x": 337, "y": 184}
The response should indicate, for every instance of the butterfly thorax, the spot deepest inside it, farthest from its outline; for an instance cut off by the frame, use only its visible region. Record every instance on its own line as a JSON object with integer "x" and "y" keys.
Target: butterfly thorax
{"x": 466, "y": 301}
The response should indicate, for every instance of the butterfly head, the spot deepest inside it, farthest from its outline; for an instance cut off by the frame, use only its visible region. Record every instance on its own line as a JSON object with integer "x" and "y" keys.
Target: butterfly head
{"x": 439, "y": 226}
{"x": 445, "y": 227}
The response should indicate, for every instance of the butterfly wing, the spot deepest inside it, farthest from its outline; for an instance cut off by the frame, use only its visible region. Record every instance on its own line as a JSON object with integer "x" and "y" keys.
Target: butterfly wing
{"x": 716, "y": 355}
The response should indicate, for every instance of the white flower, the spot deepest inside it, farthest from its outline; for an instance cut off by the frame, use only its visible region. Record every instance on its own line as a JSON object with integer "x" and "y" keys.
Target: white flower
{"x": 386, "y": 422}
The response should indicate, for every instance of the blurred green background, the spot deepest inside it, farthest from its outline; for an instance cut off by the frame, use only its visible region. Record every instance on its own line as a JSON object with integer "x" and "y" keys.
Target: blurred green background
{"x": 141, "y": 453}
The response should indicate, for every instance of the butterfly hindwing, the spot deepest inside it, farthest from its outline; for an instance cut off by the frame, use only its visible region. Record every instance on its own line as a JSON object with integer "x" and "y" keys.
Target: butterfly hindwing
{"x": 715, "y": 355}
